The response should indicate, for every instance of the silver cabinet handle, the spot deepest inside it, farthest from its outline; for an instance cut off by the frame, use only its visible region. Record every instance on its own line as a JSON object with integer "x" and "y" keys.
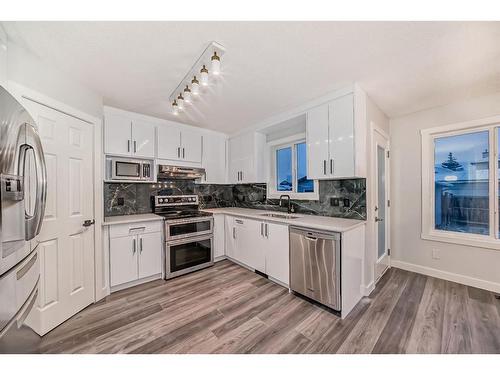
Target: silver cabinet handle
{"x": 331, "y": 166}
{"x": 133, "y": 246}
{"x": 239, "y": 221}
{"x": 183, "y": 153}
{"x": 128, "y": 145}
{"x": 324, "y": 166}
{"x": 234, "y": 232}
{"x": 135, "y": 146}
{"x": 262, "y": 229}
{"x": 140, "y": 244}
{"x": 136, "y": 228}
{"x": 241, "y": 175}
{"x": 267, "y": 230}
{"x": 178, "y": 152}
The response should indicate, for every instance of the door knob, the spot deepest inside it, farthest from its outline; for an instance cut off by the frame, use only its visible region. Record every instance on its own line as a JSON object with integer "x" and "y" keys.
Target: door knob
{"x": 378, "y": 219}
{"x": 88, "y": 223}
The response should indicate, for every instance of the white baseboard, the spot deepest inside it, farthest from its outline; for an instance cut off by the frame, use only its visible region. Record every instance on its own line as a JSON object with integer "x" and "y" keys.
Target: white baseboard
{"x": 449, "y": 276}
{"x": 367, "y": 289}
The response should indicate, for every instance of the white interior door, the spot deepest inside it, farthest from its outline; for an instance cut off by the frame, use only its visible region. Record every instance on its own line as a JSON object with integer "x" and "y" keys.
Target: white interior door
{"x": 381, "y": 209}
{"x": 66, "y": 247}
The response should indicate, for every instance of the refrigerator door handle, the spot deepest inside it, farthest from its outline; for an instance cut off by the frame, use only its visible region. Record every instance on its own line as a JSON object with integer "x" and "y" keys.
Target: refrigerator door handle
{"x": 34, "y": 222}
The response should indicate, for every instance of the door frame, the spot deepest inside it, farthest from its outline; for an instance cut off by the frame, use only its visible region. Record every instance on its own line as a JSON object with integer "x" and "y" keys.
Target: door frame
{"x": 20, "y": 92}
{"x": 375, "y": 131}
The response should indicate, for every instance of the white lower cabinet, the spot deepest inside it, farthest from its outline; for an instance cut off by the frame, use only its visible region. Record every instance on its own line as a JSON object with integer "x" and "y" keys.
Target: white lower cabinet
{"x": 136, "y": 256}
{"x": 219, "y": 237}
{"x": 259, "y": 245}
{"x": 277, "y": 252}
{"x": 149, "y": 245}
{"x": 123, "y": 260}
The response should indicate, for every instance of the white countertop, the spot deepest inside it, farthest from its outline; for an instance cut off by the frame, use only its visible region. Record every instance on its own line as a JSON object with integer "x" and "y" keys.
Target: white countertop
{"x": 124, "y": 219}
{"x": 332, "y": 224}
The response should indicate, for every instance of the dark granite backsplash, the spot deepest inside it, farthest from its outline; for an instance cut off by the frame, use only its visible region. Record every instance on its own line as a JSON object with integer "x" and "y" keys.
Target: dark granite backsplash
{"x": 136, "y": 198}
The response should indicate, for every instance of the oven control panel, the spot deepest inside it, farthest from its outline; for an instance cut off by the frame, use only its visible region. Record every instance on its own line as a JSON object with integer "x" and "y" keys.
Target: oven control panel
{"x": 175, "y": 200}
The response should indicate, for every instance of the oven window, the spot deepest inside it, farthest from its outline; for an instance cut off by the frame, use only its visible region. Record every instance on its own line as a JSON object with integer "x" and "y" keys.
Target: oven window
{"x": 188, "y": 228}
{"x": 187, "y": 255}
{"x": 124, "y": 169}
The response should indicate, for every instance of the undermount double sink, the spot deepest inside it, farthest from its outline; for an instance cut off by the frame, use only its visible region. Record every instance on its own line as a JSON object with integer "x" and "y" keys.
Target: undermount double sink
{"x": 280, "y": 216}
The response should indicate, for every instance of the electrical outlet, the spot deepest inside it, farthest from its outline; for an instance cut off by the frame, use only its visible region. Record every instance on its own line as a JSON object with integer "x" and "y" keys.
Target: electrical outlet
{"x": 347, "y": 202}
{"x": 334, "y": 202}
{"x": 436, "y": 254}
{"x": 120, "y": 201}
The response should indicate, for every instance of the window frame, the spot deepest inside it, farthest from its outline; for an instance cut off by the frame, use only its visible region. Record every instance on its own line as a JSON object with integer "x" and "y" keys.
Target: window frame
{"x": 272, "y": 191}
{"x": 428, "y": 230}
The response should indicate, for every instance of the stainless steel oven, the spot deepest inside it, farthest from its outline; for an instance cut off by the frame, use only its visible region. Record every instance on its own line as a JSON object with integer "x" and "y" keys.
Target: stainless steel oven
{"x": 188, "y": 255}
{"x": 184, "y": 228}
{"x": 125, "y": 169}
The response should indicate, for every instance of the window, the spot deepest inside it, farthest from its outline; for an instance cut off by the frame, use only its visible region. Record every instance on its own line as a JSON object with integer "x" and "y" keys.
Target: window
{"x": 289, "y": 174}
{"x": 461, "y": 168}
{"x": 460, "y": 184}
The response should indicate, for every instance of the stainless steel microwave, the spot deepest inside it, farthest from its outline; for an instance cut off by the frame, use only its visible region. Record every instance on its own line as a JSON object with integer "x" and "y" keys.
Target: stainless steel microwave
{"x": 125, "y": 169}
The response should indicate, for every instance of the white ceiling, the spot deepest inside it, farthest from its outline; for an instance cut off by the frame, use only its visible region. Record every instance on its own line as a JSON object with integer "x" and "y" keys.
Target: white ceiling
{"x": 270, "y": 67}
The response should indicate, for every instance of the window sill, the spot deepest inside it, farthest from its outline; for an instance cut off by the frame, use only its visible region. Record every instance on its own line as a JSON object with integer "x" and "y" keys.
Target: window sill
{"x": 464, "y": 239}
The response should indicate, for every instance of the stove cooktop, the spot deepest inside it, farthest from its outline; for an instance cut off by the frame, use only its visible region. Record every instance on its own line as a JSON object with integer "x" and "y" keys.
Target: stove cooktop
{"x": 182, "y": 214}
{"x": 173, "y": 207}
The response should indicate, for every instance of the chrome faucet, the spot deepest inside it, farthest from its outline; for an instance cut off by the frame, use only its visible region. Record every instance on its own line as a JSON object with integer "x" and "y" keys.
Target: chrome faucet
{"x": 289, "y": 203}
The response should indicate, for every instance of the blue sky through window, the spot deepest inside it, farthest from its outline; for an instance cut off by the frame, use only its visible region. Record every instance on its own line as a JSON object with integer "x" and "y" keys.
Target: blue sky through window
{"x": 284, "y": 169}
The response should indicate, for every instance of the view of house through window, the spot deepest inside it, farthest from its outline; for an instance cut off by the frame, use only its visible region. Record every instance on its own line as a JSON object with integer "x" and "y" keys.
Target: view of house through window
{"x": 461, "y": 170}
{"x": 291, "y": 169}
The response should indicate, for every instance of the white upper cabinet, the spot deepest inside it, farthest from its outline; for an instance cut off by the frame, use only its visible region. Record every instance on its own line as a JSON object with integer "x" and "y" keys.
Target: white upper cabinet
{"x": 214, "y": 158}
{"x": 317, "y": 142}
{"x": 341, "y": 134}
{"x": 117, "y": 135}
{"x": 179, "y": 143}
{"x": 3, "y": 57}
{"x": 143, "y": 135}
{"x": 246, "y": 158}
{"x": 334, "y": 148}
{"x": 191, "y": 145}
{"x": 128, "y": 137}
{"x": 169, "y": 141}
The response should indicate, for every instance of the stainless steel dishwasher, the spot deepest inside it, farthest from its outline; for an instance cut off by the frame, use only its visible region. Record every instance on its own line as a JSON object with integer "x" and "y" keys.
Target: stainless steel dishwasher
{"x": 315, "y": 265}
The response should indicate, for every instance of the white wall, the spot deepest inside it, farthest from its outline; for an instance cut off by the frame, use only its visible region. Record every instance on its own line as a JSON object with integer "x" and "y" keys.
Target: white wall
{"x": 469, "y": 265}
{"x": 3, "y": 56}
{"x": 28, "y": 70}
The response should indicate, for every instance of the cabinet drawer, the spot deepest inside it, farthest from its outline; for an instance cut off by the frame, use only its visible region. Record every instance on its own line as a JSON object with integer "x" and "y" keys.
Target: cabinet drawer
{"x": 120, "y": 230}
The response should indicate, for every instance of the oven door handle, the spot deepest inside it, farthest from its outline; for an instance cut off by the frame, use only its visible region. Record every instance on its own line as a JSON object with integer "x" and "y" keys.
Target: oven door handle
{"x": 190, "y": 239}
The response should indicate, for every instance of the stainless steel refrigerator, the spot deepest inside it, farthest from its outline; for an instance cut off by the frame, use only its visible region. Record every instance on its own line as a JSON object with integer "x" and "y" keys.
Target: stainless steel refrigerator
{"x": 23, "y": 188}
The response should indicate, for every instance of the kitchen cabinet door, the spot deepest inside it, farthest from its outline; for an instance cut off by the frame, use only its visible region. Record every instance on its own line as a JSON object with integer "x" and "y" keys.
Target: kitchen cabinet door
{"x": 168, "y": 142}
{"x": 219, "y": 235}
{"x": 317, "y": 139}
{"x": 123, "y": 260}
{"x": 191, "y": 146}
{"x": 235, "y": 171}
{"x": 150, "y": 248}
{"x": 230, "y": 236}
{"x": 341, "y": 133}
{"x": 277, "y": 252}
{"x": 214, "y": 158}
{"x": 143, "y": 136}
{"x": 250, "y": 243}
{"x": 117, "y": 135}
{"x": 3, "y": 57}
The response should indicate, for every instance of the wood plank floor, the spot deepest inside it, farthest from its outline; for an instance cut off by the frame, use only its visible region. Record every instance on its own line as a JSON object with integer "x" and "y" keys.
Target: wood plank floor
{"x": 228, "y": 309}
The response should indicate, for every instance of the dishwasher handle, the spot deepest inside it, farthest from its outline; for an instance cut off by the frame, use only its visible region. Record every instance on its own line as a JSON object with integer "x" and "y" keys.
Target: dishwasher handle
{"x": 314, "y": 235}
